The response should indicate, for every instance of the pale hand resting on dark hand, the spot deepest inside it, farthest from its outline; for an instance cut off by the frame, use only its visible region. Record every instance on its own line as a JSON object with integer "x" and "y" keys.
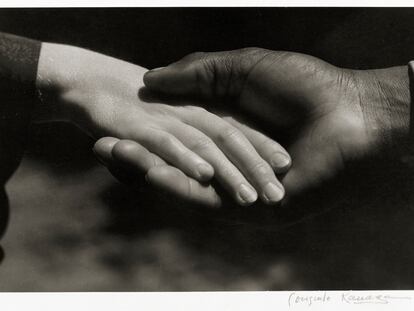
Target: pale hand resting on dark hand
{"x": 100, "y": 94}
{"x": 128, "y": 161}
{"x": 332, "y": 115}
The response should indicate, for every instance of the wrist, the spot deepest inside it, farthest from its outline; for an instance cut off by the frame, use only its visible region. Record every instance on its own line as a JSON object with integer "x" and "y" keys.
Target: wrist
{"x": 75, "y": 83}
{"x": 61, "y": 73}
{"x": 384, "y": 98}
{"x": 53, "y": 74}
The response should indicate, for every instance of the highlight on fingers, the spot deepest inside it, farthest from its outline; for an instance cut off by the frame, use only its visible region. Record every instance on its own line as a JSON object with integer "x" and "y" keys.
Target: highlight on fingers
{"x": 183, "y": 186}
{"x": 103, "y": 149}
{"x": 243, "y": 154}
{"x": 277, "y": 156}
{"x": 134, "y": 156}
{"x": 173, "y": 151}
{"x": 225, "y": 171}
{"x": 127, "y": 160}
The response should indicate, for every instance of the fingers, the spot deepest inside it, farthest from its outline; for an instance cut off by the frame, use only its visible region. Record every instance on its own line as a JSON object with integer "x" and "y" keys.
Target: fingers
{"x": 126, "y": 157}
{"x": 241, "y": 152}
{"x": 209, "y": 75}
{"x": 176, "y": 182}
{"x": 103, "y": 149}
{"x": 226, "y": 173}
{"x": 172, "y": 150}
{"x": 240, "y": 168}
{"x": 269, "y": 150}
{"x": 126, "y": 153}
{"x": 134, "y": 156}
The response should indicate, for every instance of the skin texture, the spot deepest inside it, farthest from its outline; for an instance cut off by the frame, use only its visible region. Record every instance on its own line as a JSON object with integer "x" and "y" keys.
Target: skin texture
{"x": 329, "y": 116}
{"x": 103, "y": 96}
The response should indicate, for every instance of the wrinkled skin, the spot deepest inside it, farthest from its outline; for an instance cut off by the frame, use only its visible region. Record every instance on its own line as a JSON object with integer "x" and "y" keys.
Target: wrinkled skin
{"x": 331, "y": 115}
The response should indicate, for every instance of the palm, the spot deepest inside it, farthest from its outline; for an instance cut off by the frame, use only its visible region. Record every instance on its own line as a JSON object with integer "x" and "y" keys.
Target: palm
{"x": 317, "y": 155}
{"x": 328, "y": 127}
{"x": 318, "y": 105}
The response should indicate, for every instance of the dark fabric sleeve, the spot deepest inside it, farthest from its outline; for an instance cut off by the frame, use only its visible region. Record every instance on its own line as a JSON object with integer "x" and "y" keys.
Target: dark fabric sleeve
{"x": 18, "y": 69}
{"x": 18, "y": 60}
{"x": 411, "y": 132}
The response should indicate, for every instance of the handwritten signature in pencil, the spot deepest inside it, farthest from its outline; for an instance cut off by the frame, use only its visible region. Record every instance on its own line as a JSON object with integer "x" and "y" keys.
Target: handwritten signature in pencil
{"x": 347, "y": 297}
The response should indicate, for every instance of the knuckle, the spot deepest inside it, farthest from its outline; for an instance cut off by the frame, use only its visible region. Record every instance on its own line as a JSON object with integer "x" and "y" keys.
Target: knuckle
{"x": 252, "y": 50}
{"x": 228, "y": 174}
{"x": 231, "y": 176}
{"x": 106, "y": 143}
{"x": 187, "y": 159}
{"x": 207, "y": 70}
{"x": 195, "y": 56}
{"x": 259, "y": 169}
{"x": 190, "y": 190}
{"x": 123, "y": 146}
{"x": 197, "y": 110}
{"x": 249, "y": 56}
{"x": 228, "y": 134}
{"x": 137, "y": 131}
{"x": 229, "y": 119}
{"x": 165, "y": 141}
{"x": 265, "y": 145}
{"x": 202, "y": 144}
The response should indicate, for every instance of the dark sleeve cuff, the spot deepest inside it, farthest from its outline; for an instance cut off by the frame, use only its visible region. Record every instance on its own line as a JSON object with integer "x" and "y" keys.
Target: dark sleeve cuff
{"x": 19, "y": 58}
{"x": 18, "y": 70}
{"x": 411, "y": 125}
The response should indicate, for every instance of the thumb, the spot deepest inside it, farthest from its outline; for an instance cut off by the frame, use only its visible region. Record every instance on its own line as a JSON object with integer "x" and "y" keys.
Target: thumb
{"x": 206, "y": 75}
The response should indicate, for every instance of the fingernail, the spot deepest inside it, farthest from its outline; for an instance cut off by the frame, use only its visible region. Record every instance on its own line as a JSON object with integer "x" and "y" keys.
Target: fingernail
{"x": 205, "y": 171}
{"x": 279, "y": 160}
{"x": 272, "y": 193}
{"x": 156, "y": 69}
{"x": 247, "y": 194}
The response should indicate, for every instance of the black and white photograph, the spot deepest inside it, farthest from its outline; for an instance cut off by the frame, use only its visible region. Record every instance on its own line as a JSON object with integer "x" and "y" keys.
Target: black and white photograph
{"x": 172, "y": 149}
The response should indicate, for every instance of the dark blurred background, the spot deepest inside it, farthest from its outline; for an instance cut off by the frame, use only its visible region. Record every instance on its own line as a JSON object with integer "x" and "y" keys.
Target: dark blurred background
{"x": 75, "y": 228}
